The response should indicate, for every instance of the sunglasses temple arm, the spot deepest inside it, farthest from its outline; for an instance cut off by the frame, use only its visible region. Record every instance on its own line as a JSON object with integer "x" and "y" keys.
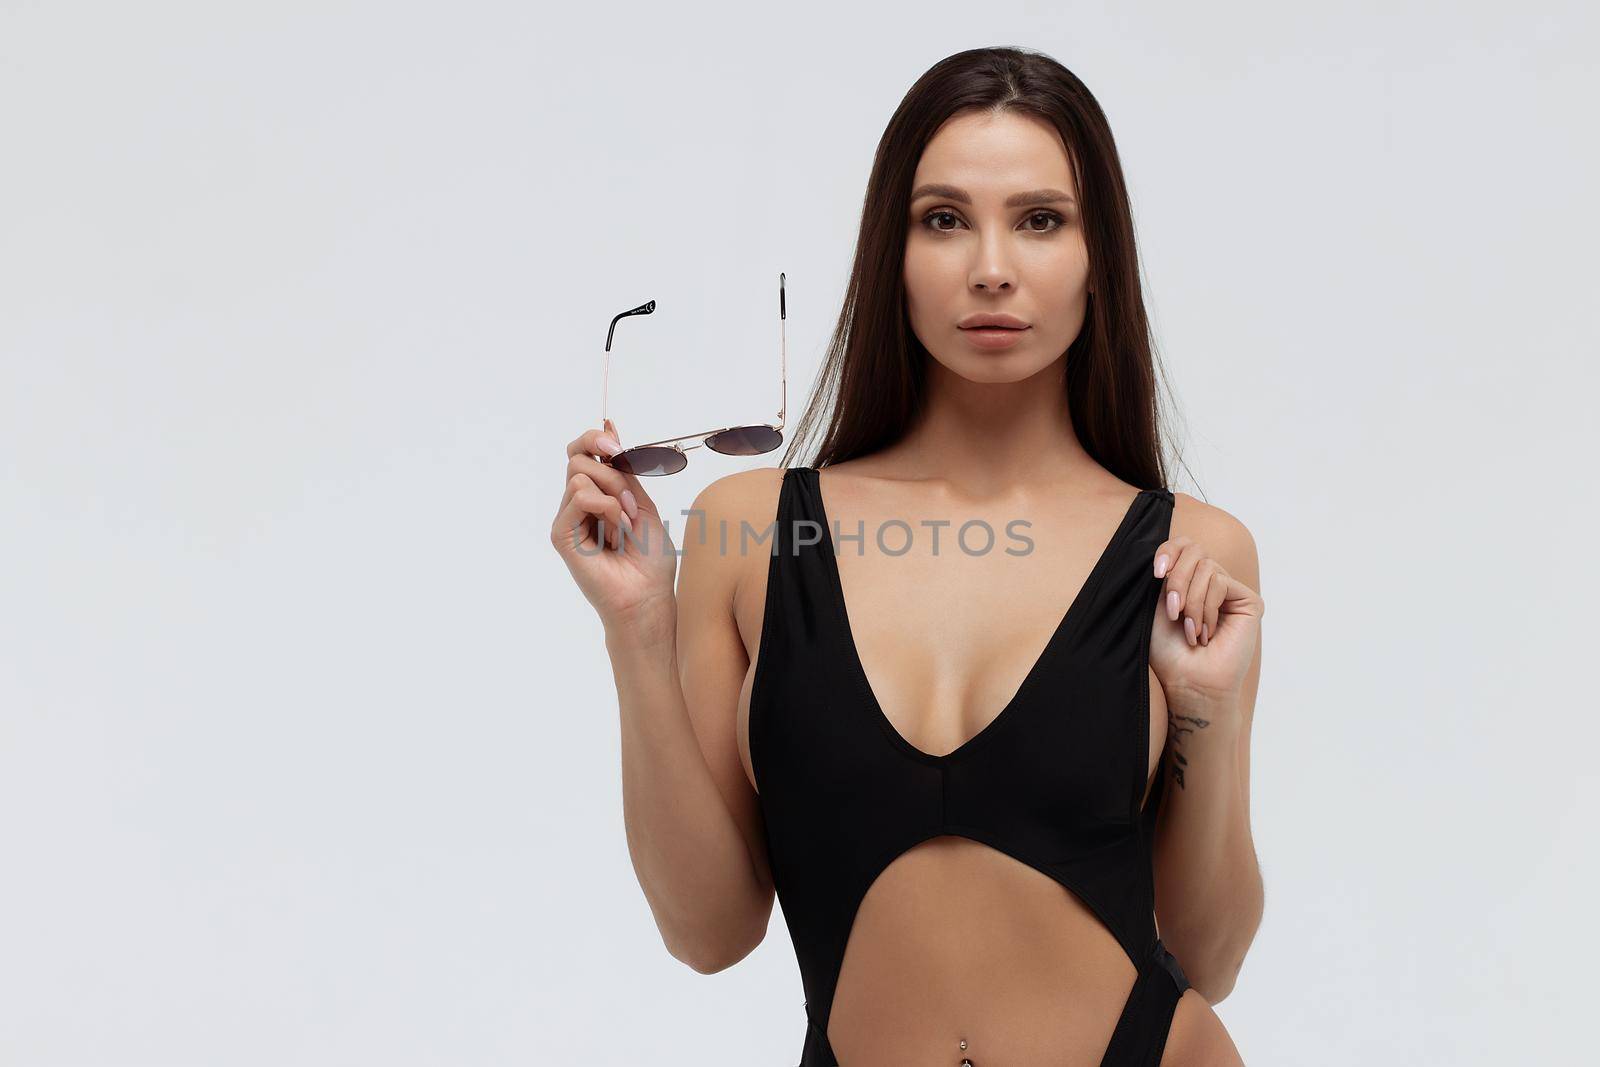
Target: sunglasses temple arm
{"x": 783, "y": 354}
{"x": 646, "y": 308}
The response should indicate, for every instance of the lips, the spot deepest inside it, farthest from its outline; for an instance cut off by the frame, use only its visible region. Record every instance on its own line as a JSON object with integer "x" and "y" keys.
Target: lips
{"x": 994, "y": 337}
{"x": 981, "y": 320}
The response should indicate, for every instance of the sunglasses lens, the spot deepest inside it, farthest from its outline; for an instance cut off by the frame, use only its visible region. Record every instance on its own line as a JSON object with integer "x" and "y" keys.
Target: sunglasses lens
{"x": 745, "y": 441}
{"x": 647, "y": 462}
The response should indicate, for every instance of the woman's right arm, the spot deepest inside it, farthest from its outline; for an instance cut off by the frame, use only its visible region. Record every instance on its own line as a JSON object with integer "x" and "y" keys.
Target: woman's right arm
{"x": 692, "y": 823}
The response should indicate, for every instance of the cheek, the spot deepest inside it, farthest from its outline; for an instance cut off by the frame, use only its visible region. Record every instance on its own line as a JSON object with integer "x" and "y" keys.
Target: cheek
{"x": 928, "y": 276}
{"x": 933, "y": 283}
{"x": 1069, "y": 262}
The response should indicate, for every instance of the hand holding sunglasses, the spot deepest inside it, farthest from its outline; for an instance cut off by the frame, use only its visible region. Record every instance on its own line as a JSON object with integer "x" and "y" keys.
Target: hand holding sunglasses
{"x": 667, "y": 456}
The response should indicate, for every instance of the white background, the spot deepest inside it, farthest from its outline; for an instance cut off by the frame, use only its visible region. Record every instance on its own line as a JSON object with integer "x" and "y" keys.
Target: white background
{"x": 309, "y": 744}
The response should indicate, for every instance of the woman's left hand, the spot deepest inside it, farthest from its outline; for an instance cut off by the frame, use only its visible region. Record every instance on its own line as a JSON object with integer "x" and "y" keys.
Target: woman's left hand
{"x": 1206, "y": 627}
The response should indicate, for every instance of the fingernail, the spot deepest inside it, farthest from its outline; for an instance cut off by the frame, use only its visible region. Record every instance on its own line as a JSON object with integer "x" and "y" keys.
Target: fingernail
{"x": 1188, "y": 628}
{"x": 1172, "y": 605}
{"x": 1161, "y": 565}
{"x": 607, "y": 444}
{"x": 630, "y": 506}
{"x": 1205, "y": 633}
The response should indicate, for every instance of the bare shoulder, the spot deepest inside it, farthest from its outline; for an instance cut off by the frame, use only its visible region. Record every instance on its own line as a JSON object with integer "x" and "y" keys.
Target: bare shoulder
{"x": 1224, "y": 537}
{"x": 724, "y": 529}
{"x": 743, "y": 494}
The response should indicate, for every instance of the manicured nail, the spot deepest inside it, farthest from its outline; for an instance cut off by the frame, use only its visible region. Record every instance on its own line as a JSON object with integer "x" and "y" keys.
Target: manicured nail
{"x": 630, "y": 506}
{"x": 607, "y": 444}
{"x": 1188, "y": 629}
{"x": 1161, "y": 565}
{"x": 1172, "y": 605}
{"x": 1205, "y": 633}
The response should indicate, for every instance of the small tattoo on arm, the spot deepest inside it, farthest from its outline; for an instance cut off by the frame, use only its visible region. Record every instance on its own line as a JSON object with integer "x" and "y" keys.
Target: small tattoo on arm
{"x": 1176, "y": 729}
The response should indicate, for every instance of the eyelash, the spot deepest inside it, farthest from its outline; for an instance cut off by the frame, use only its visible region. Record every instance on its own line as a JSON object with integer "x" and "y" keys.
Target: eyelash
{"x": 1060, "y": 222}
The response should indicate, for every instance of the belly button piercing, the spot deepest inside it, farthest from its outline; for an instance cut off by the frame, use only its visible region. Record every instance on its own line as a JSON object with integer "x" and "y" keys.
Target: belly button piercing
{"x": 964, "y": 1061}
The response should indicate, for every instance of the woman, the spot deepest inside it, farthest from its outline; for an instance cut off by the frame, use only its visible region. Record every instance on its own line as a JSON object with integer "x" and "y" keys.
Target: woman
{"x": 977, "y": 797}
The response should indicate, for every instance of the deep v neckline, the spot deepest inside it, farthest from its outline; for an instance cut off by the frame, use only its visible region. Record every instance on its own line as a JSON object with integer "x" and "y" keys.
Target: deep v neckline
{"x": 1058, "y": 635}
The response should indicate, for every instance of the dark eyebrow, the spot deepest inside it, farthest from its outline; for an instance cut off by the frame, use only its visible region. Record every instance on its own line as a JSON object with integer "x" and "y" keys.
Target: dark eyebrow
{"x": 1028, "y": 199}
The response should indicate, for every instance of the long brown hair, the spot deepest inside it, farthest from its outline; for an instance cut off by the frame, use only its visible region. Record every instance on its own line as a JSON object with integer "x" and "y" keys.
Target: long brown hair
{"x": 876, "y": 367}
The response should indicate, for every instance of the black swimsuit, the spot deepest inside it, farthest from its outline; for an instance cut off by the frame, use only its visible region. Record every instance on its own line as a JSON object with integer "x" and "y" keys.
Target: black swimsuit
{"x": 1054, "y": 781}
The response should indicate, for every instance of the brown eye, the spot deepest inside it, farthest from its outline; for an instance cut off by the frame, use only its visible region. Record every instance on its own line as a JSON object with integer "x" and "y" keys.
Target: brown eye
{"x": 1049, "y": 216}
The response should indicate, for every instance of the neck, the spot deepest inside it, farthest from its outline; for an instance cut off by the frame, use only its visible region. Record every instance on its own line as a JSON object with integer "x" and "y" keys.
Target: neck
{"x": 990, "y": 437}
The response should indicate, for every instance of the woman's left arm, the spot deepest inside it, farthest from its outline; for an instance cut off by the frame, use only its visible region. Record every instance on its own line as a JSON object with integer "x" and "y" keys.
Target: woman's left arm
{"x": 1209, "y": 893}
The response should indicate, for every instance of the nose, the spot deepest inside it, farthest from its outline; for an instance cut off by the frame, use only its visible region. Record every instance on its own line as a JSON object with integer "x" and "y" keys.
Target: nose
{"x": 992, "y": 271}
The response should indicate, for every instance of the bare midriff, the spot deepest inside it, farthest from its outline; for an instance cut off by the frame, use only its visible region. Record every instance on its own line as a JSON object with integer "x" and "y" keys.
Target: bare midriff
{"x": 958, "y": 941}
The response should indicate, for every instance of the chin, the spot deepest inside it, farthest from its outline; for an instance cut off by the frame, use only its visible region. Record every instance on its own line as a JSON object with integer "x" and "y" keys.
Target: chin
{"x": 993, "y": 368}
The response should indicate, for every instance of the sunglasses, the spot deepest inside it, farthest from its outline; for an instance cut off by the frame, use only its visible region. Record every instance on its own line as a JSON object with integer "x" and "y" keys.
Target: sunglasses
{"x": 667, "y": 456}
